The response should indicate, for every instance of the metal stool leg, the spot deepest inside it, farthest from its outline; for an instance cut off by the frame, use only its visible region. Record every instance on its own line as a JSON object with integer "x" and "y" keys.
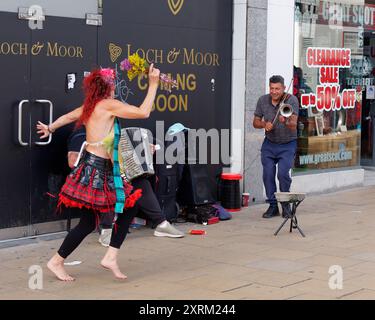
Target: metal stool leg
{"x": 293, "y": 220}
{"x": 282, "y": 225}
{"x": 300, "y": 231}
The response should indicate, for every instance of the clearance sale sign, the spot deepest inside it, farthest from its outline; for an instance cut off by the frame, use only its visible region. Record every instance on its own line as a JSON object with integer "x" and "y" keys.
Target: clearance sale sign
{"x": 328, "y": 96}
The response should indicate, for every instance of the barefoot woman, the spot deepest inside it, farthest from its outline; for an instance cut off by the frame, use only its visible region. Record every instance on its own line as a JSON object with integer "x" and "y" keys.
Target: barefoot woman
{"x": 95, "y": 184}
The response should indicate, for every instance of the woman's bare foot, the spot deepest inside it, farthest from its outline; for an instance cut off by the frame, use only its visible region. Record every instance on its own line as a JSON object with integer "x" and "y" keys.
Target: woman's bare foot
{"x": 56, "y": 265}
{"x": 113, "y": 266}
{"x": 110, "y": 262}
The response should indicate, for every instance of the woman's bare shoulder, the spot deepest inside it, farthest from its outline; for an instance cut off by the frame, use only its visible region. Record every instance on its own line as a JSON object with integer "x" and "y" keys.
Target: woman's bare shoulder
{"x": 111, "y": 104}
{"x": 104, "y": 104}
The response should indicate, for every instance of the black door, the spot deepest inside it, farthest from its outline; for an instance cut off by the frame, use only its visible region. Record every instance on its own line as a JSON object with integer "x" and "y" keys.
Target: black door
{"x": 14, "y": 128}
{"x": 37, "y": 84}
{"x": 68, "y": 48}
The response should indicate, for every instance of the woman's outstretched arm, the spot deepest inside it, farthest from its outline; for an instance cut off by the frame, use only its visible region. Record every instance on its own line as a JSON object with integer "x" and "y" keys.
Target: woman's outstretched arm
{"x": 45, "y": 130}
{"x": 124, "y": 110}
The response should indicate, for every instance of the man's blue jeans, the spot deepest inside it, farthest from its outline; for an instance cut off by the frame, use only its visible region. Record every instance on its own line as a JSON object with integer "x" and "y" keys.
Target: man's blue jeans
{"x": 282, "y": 155}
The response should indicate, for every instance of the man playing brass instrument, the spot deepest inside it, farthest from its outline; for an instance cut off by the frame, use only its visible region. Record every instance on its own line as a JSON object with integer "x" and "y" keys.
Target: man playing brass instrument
{"x": 280, "y": 143}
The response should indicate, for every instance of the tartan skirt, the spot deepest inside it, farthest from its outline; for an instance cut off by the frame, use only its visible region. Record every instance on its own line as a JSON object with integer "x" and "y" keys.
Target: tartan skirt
{"x": 91, "y": 185}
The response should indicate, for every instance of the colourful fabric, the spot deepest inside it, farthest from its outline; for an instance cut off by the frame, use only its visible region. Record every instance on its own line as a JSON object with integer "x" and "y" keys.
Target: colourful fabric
{"x": 91, "y": 185}
{"x": 120, "y": 194}
{"x": 108, "y": 142}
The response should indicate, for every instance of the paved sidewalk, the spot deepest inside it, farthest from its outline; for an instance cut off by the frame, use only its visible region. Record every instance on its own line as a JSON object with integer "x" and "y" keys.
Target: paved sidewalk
{"x": 237, "y": 259}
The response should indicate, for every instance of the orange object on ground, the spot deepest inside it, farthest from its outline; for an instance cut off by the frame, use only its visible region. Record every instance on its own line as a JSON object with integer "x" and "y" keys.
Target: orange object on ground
{"x": 198, "y": 232}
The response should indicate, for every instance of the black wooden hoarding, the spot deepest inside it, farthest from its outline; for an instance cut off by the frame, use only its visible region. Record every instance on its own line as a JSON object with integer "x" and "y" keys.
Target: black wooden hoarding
{"x": 191, "y": 40}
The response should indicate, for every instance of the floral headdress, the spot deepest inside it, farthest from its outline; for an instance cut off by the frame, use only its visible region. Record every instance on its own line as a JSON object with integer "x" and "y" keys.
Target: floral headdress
{"x": 108, "y": 75}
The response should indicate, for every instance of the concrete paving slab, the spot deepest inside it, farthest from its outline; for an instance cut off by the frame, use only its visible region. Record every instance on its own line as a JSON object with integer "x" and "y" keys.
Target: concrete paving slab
{"x": 237, "y": 259}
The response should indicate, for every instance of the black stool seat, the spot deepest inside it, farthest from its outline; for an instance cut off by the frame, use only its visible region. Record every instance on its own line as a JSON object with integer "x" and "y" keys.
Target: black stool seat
{"x": 294, "y": 199}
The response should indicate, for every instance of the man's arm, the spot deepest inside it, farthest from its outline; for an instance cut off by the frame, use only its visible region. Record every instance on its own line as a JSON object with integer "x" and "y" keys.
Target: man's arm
{"x": 72, "y": 158}
{"x": 291, "y": 123}
{"x": 258, "y": 123}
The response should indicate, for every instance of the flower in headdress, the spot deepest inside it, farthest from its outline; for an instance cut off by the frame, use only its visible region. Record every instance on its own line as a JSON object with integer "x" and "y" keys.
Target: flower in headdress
{"x": 108, "y": 75}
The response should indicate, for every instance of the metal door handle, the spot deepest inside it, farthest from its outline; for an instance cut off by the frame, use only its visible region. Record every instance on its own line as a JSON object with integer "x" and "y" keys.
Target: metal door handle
{"x": 50, "y": 121}
{"x": 24, "y": 144}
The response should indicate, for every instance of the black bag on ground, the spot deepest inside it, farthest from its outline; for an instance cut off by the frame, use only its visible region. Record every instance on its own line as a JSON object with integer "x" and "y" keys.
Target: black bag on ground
{"x": 167, "y": 176}
{"x": 200, "y": 214}
{"x": 165, "y": 186}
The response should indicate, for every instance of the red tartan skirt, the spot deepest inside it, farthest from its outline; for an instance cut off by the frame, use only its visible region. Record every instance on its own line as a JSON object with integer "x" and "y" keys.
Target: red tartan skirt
{"x": 91, "y": 185}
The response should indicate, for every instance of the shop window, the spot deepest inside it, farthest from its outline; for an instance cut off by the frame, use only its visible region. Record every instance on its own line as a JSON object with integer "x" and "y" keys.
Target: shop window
{"x": 331, "y": 61}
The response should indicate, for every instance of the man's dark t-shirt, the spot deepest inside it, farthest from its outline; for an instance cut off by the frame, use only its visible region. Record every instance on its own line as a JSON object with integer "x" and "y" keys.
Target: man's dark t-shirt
{"x": 266, "y": 110}
{"x": 76, "y": 139}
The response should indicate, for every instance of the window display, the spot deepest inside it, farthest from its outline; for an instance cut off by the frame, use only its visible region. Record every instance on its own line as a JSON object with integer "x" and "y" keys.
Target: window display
{"x": 330, "y": 64}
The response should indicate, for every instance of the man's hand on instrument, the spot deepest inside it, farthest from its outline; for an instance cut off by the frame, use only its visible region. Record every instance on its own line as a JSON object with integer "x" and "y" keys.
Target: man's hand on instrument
{"x": 282, "y": 119}
{"x": 268, "y": 126}
{"x": 43, "y": 130}
{"x": 152, "y": 146}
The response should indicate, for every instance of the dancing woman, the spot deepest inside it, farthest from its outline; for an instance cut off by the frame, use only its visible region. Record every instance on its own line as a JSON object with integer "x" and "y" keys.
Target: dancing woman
{"x": 95, "y": 185}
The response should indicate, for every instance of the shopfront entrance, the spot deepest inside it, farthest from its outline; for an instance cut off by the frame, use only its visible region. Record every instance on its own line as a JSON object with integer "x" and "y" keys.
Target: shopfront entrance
{"x": 42, "y": 70}
{"x": 368, "y": 110}
{"x": 35, "y": 66}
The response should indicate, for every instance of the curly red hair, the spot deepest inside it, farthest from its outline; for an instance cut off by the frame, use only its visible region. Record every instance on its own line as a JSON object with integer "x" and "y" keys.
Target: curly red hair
{"x": 96, "y": 89}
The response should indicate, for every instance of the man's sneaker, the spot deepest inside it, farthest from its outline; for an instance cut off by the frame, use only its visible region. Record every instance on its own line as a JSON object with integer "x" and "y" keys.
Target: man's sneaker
{"x": 272, "y": 211}
{"x": 165, "y": 229}
{"x": 105, "y": 237}
{"x": 287, "y": 212}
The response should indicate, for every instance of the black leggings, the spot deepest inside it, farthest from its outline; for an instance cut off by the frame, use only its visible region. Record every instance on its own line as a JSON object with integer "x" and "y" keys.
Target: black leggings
{"x": 148, "y": 205}
{"x": 87, "y": 224}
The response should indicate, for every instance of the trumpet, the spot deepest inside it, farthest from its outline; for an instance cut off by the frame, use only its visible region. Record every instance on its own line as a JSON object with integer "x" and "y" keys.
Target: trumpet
{"x": 285, "y": 109}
